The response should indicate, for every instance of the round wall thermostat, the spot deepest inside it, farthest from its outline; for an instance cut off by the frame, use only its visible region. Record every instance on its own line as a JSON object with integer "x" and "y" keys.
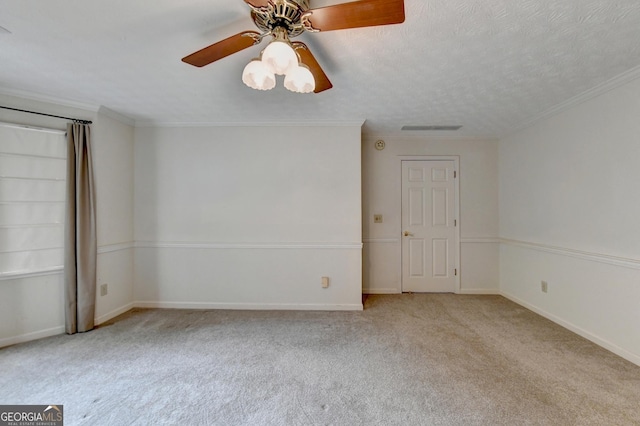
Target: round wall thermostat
{"x": 380, "y": 145}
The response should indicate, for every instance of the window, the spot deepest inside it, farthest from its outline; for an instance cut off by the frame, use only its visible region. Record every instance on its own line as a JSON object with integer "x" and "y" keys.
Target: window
{"x": 32, "y": 200}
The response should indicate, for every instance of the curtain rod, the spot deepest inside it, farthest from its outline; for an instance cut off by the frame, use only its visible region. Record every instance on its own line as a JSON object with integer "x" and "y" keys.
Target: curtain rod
{"x": 75, "y": 120}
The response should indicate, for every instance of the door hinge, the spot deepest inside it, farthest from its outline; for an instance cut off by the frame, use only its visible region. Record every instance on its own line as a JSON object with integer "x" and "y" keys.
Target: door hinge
{"x": 455, "y": 174}
{"x": 455, "y": 222}
{"x": 455, "y": 272}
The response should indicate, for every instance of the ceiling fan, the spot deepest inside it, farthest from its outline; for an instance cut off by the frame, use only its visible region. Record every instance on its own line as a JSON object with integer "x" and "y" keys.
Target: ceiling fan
{"x": 285, "y": 19}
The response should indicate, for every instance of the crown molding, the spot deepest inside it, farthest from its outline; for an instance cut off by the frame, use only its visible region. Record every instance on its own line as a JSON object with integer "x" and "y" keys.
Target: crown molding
{"x": 320, "y": 123}
{"x": 600, "y": 89}
{"x": 116, "y": 116}
{"x": 31, "y": 96}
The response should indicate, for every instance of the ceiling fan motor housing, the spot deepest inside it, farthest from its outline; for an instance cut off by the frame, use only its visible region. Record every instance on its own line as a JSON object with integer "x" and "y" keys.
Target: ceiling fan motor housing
{"x": 286, "y": 14}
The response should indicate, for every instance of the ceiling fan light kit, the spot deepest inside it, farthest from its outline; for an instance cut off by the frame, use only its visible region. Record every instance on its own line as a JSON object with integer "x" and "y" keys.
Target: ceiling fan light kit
{"x": 257, "y": 75}
{"x": 300, "y": 80}
{"x": 284, "y": 19}
{"x": 279, "y": 58}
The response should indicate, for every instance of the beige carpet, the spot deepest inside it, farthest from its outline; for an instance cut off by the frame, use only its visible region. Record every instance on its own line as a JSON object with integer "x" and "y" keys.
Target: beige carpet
{"x": 405, "y": 360}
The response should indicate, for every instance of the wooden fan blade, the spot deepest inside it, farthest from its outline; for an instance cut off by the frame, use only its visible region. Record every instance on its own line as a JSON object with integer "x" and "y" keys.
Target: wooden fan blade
{"x": 257, "y": 3}
{"x": 222, "y": 49}
{"x": 322, "y": 81}
{"x": 363, "y": 13}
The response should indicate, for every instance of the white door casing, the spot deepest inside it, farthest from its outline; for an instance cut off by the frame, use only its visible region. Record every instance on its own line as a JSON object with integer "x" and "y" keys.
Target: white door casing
{"x": 429, "y": 226}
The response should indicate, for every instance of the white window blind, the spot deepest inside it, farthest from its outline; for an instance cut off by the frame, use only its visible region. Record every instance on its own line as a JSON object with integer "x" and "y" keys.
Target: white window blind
{"x": 32, "y": 199}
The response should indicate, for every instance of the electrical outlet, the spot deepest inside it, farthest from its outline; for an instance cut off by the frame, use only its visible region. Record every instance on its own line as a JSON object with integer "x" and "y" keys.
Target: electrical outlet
{"x": 104, "y": 289}
{"x": 377, "y": 218}
{"x": 544, "y": 286}
{"x": 325, "y": 282}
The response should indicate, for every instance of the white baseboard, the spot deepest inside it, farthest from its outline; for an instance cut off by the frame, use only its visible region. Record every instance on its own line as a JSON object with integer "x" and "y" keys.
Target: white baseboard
{"x": 8, "y": 341}
{"x": 381, "y": 291}
{"x": 31, "y": 336}
{"x": 250, "y": 306}
{"x": 106, "y": 317}
{"x": 479, "y": 291}
{"x": 579, "y": 331}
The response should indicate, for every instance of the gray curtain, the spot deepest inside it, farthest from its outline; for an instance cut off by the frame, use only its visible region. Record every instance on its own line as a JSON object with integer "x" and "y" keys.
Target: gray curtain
{"x": 80, "y": 233}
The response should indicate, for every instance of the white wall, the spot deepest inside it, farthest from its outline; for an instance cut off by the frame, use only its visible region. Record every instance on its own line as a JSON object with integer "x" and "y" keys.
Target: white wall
{"x": 113, "y": 169}
{"x": 32, "y": 306}
{"x": 569, "y": 214}
{"x": 478, "y": 210}
{"x": 248, "y": 217}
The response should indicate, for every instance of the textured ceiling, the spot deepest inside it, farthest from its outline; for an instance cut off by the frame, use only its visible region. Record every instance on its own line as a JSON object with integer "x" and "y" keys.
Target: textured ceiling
{"x": 489, "y": 65}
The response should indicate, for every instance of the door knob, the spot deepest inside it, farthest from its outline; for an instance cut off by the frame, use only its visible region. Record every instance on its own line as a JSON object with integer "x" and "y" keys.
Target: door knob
{"x": 408, "y": 234}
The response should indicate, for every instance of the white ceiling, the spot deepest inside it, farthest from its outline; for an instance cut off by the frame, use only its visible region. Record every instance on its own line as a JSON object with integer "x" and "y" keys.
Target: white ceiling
{"x": 489, "y": 65}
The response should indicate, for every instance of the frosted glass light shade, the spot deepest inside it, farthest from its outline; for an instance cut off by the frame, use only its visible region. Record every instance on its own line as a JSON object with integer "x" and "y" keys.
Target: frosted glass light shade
{"x": 299, "y": 79}
{"x": 257, "y": 75}
{"x": 279, "y": 57}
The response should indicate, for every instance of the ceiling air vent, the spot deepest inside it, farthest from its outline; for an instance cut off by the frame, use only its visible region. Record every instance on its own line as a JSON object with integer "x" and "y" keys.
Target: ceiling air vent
{"x": 430, "y": 128}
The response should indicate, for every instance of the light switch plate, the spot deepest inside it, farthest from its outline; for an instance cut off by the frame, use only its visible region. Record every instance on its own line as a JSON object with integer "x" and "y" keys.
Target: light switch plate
{"x": 325, "y": 282}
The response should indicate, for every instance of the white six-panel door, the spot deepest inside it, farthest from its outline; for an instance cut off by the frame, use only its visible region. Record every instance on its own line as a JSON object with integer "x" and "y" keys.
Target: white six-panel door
{"x": 429, "y": 235}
